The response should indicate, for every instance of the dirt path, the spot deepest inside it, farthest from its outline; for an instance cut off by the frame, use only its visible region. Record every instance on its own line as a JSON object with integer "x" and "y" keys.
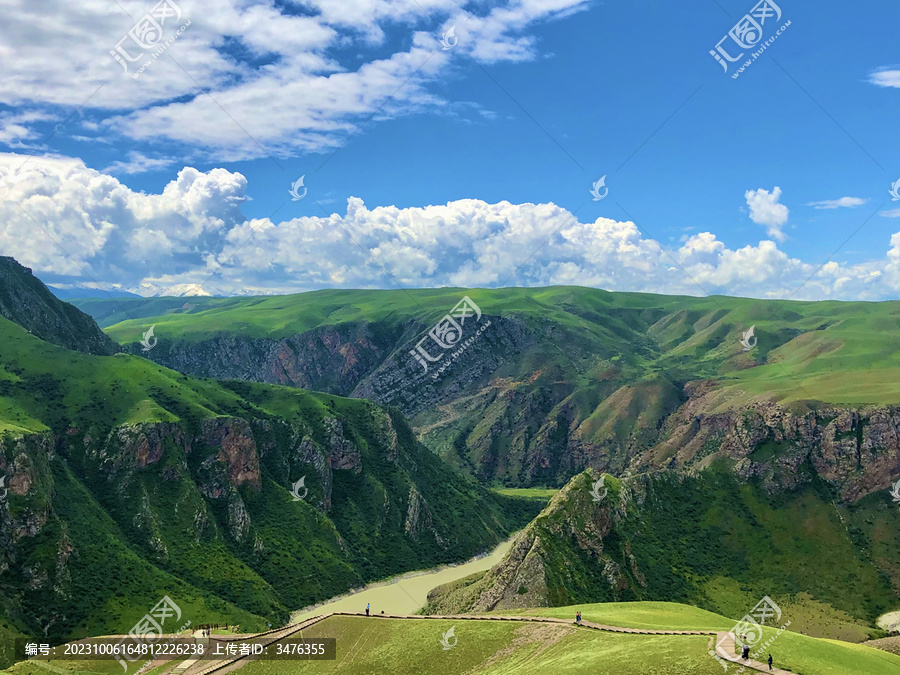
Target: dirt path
{"x": 724, "y": 640}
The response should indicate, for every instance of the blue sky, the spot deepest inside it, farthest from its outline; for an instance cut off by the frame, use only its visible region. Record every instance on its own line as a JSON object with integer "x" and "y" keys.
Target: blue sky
{"x": 536, "y": 100}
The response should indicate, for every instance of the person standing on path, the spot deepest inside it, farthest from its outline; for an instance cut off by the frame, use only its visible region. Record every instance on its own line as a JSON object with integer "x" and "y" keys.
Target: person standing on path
{"x": 578, "y": 618}
{"x": 367, "y": 609}
{"x": 770, "y": 662}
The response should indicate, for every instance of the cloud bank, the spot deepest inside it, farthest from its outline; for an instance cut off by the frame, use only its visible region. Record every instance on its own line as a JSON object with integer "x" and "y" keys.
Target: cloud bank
{"x": 73, "y": 224}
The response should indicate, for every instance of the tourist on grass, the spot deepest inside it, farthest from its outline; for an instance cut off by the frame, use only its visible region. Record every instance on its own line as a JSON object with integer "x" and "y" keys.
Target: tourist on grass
{"x": 578, "y": 618}
{"x": 367, "y": 609}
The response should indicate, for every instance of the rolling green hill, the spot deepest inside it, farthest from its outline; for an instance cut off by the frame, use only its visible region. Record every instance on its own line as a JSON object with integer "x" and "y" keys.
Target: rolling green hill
{"x": 26, "y": 301}
{"x": 562, "y": 378}
{"x": 704, "y": 540}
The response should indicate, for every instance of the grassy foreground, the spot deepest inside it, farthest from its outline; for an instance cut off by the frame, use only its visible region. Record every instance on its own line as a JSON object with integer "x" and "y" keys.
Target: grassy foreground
{"x": 368, "y": 646}
{"x": 792, "y": 651}
{"x": 413, "y": 646}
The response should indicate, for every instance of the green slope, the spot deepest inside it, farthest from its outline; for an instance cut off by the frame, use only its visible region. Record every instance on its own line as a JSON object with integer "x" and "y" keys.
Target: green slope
{"x": 563, "y": 378}
{"x": 152, "y": 488}
{"x": 706, "y": 540}
{"x": 809, "y": 341}
{"x": 26, "y": 301}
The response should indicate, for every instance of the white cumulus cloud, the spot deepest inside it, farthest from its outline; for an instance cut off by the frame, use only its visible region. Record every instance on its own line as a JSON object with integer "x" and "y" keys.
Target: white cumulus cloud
{"x": 75, "y": 225}
{"x": 245, "y": 80}
{"x": 766, "y": 210}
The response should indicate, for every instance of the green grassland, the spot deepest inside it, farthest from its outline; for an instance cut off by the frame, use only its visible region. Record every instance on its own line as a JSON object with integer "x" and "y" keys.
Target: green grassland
{"x": 536, "y": 494}
{"x": 374, "y": 645}
{"x": 645, "y": 615}
{"x": 790, "y": 650}
{"x": 839, "y": 352}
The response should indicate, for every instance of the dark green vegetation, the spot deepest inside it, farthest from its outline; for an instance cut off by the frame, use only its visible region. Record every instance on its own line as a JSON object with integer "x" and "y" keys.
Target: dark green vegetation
{"x": 25, "y": 300}
{"x": 705, "y": 540}
{"x": 126, "y": 481}
{"x": 563, "y": 378}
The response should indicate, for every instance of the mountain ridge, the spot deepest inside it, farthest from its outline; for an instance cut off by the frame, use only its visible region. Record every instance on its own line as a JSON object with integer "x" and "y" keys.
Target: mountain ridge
{"x": 563, "y": 378}
{"x": 25, "y": 300}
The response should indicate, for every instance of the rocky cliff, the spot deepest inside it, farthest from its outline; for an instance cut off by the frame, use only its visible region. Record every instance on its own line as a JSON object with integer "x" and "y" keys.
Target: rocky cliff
{"x": 213, "y": 512}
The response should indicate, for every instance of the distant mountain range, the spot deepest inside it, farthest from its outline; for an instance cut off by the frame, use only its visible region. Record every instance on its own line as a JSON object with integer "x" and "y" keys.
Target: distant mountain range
{"x": 547, "y": 382}
{"x": 84, "y": 292}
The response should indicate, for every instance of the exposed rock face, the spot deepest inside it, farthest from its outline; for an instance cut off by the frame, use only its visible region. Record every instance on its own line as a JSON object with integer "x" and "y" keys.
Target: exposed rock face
{"x": 29, "y": 464}
{"x": 332, "y": 358}
{"x": 366, "y": 360}
{"x": 237, "y": 449}
{"x": 145, "y": 501}
{"x": 855, "y": 450}
{"x": 519, "y": 580}
{"x": 344, "y": 455}
{"x": 27, "y": 302}
{"x": 418, "y": 516}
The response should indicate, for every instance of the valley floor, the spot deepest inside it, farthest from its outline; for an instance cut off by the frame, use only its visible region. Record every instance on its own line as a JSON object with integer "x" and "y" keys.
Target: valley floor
{"x": 407, "y": 593}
